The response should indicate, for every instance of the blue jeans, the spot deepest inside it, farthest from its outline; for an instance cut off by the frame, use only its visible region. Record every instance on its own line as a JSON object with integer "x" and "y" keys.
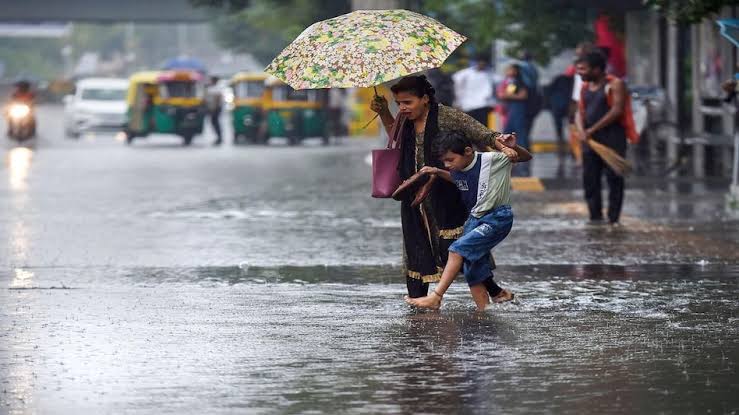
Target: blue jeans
{"x": 479, "y": 237}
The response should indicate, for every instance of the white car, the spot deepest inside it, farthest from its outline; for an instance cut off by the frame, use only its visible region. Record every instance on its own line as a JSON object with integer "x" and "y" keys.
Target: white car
{"x": 98, "y": 104}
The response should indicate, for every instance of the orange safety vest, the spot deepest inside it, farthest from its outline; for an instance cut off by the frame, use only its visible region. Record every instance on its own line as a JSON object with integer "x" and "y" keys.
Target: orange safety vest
{"x": 627, "y": 118}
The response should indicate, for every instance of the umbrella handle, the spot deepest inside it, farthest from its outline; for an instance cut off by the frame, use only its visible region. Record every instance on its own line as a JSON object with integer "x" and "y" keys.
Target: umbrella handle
{"x": 370, "y": 122}
{"x": 376, "y": 115}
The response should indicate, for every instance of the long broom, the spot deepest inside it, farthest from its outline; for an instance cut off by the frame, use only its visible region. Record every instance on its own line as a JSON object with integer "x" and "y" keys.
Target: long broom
{"x": 614, "y": 160}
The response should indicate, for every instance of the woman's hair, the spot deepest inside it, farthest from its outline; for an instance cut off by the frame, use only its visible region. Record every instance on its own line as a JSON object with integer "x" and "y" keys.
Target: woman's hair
{"x": 519, "y": 73}
{"x": 417, "y": 85}
{"x": 516, "y": 67}
{"x": 453, "y": 141}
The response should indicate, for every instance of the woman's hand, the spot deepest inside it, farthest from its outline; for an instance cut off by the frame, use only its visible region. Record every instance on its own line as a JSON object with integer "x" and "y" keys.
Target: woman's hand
{"x": 379, "y": 105}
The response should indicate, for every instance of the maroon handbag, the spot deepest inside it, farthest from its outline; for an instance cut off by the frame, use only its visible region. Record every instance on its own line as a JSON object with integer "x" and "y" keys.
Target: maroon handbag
{"x": 385, "y": 176}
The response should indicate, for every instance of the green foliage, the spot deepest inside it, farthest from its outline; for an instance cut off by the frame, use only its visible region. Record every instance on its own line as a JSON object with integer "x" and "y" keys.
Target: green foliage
{"x": 264, "y": 27}
{"x": 31, "y": 58}
{"x": 232, "y": 5}
{"x": 540, "y": 27}
{"x": 689, "y": 11}
{"x": 476, "y": 19}
{"x": 105, "y": 39}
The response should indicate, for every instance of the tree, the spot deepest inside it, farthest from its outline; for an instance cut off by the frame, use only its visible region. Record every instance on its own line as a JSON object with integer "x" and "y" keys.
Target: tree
{"x": 264, "y": 27}
{"x": 540, "y": 27}
{"x": 31, "y": 58}
{"x": 689, "y": 11}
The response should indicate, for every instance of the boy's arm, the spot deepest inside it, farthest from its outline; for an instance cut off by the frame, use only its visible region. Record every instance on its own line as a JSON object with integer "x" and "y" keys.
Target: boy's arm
{"x": 435, "y": 171}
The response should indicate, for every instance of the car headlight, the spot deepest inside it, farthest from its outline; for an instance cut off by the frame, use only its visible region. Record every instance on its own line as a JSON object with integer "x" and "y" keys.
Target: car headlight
{"x": 17, "y": 111}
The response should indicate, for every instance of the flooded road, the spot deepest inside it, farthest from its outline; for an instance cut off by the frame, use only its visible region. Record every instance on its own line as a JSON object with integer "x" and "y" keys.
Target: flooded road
{"x": 160, "y": 279}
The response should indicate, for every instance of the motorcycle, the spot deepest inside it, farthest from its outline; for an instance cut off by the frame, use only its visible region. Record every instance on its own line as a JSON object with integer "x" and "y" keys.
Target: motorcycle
{"x": 21, "y": 121}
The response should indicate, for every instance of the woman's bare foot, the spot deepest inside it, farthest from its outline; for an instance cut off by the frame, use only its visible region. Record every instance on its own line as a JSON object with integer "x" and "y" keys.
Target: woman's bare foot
{"x": 503, "y": 296}
{"x": 429, "y": 301}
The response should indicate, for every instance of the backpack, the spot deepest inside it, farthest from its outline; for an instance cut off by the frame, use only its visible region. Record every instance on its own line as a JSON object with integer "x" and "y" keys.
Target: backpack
{"x": 627, "y": 119}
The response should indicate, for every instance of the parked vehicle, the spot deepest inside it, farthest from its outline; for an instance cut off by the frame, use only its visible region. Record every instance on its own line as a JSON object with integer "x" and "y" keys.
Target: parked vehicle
{"x": 249, "y": 98}
{"x": 98, "y": 104}
{"x": 295, "y": 114}
{"x": 169, "y": 102}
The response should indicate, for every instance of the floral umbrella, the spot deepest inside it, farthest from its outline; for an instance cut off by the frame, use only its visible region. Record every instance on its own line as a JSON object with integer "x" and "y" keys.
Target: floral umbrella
{"x": 364, "y": 48}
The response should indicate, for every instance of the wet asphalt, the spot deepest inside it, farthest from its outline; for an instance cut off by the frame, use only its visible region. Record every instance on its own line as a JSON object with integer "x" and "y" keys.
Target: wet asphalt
{"x": 161, "y": 279}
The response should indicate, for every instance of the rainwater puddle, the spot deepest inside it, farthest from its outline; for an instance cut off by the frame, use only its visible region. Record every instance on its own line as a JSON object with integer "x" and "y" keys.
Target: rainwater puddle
{"x": 579, "y": 338}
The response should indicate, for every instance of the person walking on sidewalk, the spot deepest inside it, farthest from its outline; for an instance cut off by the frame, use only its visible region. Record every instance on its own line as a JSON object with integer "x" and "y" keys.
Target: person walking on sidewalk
{"x": 601, "y": 109}
{"x": 215, "y": 106}
{"x": 473, "y": 90}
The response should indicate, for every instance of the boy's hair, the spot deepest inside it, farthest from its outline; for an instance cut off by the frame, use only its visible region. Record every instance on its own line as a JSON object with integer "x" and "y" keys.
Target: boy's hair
{"x": 453, "y": 141}
{"x": 594, "y": 59}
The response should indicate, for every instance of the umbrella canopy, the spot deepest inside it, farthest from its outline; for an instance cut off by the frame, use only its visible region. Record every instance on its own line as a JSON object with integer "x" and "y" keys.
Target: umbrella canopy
{"x": 364, "y": 48}
{"x": 191, "y": 64}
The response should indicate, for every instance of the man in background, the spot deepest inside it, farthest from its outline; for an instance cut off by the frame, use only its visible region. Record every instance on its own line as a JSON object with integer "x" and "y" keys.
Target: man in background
{"x": 473, "y": 89}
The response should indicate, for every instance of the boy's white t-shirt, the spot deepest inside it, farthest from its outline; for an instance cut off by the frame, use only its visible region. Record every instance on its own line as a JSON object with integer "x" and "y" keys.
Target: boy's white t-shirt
{"x": 486, "y": 183}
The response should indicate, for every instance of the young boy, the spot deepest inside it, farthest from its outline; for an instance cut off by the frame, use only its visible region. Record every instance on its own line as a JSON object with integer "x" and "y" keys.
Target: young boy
{"x": 484, "y": 180}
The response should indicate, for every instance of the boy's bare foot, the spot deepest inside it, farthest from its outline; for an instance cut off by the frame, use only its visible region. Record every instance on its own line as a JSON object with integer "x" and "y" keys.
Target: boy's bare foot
{"x": 503, "y": 296}
{"x": 429, "y": 301}
{"x": 480, "y": 296}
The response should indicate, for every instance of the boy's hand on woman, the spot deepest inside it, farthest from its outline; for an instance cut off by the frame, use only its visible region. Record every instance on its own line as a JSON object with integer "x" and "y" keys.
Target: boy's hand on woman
{"x": 508, "y": 140}
{"x": 432, "y": 171}
{"x": 510, "y": 153}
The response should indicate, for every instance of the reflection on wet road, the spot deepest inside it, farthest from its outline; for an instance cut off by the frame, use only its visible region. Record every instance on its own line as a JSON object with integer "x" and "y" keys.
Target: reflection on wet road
{"x": 157, "y": 279}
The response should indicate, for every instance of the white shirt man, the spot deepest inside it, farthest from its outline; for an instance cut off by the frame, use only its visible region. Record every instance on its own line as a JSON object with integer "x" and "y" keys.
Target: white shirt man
{"x": 473, "y": 91}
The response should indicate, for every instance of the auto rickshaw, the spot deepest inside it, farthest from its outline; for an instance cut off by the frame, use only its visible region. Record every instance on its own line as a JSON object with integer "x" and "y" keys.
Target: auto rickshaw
{"x": 168, "y": 102}
{"x": 250, "y": 95}
{"x": 295, "y": 114}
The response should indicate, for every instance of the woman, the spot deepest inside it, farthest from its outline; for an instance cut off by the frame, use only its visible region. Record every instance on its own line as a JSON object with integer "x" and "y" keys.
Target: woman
{"x": 431, "y": 227}
{"x": 515, "y": 96}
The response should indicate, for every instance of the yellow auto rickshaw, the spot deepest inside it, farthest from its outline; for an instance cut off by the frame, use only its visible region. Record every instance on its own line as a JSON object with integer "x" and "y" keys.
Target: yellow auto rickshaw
{"x": 168, "y": 102}
{"x": 295, "y": 114}
{"x": 249, "y": 96}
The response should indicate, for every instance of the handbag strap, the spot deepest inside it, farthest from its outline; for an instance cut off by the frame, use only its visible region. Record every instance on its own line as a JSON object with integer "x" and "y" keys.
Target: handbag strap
{"x": 393, "y": 139}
